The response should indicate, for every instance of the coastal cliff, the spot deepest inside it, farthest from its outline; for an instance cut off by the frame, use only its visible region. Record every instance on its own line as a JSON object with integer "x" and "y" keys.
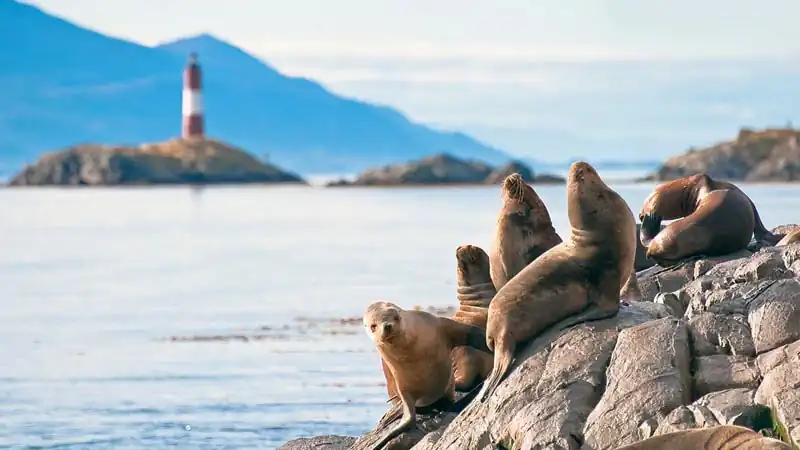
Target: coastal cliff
{"x": 766, "y": 155}
{"x": 177, "y": 161}
{"x": 444, "y": 169}
{"x": 715, "y": 341}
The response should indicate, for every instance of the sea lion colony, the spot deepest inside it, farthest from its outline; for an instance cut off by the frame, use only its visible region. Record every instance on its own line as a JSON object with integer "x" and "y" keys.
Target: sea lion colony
{"x": 531, "y": 279}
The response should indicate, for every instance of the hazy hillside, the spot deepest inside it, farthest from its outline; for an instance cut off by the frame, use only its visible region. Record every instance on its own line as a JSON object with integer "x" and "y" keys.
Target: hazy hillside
{"x": 64, "y": 85}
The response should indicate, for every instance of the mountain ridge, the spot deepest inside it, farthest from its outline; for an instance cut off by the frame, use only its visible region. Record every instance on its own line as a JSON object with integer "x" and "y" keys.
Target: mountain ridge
{"x": 73, "y": 85}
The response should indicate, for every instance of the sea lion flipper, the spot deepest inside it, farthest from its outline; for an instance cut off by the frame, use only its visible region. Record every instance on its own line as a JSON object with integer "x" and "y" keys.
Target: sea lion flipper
{"x": 464, "y": 334}
{"x": 409, "y": 418}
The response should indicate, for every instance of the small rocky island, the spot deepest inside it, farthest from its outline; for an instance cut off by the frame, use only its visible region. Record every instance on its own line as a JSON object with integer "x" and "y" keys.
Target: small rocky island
{"x": 445, "y": 169}
{"x": 770, "y": 155}
{"x": 177, "y": 161}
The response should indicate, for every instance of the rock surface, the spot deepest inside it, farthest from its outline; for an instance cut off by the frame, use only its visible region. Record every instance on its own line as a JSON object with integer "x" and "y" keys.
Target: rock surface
{"x": 766, "y": 155}
{"x": 720, "y": 345}
{"x": 444, "y": 169}
{"x": 178, "y": 161}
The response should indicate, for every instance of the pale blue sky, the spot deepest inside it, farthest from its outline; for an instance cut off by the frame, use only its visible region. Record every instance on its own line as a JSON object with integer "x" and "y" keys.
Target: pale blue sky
{"x": 477, "y": 65}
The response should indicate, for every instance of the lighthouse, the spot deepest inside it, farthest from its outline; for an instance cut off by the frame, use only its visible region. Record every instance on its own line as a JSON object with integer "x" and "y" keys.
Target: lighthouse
{"x": 193, "y": 126}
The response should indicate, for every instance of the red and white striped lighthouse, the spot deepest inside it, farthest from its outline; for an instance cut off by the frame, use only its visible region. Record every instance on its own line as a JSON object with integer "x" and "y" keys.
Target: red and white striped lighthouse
{"x": 193, "y": 126}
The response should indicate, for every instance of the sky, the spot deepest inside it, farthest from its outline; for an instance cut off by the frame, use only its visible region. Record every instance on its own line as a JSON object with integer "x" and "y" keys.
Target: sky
{"x": 485, "y": 67}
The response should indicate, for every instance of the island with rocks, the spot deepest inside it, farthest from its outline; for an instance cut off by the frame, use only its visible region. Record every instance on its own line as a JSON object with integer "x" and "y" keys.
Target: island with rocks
{"x": 708, "y": 342}
{"x": 770, "y": 155}
{"x": 177, "y": 161}
{"x": 445, "y": 169}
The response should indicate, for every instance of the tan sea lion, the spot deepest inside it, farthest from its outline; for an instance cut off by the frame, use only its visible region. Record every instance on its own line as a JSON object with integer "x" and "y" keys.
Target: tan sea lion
{"x": 792, "y": 237}
{"x": 575, "y": 281}
{"x": 723, "y": 437}
{"x": 416, "y": 346}
{"x": 522, "y": 233}
{"x": 715, "y": 218}
{"x": 475, "y": 292}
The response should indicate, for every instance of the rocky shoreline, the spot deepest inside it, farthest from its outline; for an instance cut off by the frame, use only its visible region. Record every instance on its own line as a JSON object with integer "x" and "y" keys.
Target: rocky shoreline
{"x": 770, "y": 155}
{"x": 174, "y": 162}
{"x": 445, "y": 169}
{"x": 714, "y": 341}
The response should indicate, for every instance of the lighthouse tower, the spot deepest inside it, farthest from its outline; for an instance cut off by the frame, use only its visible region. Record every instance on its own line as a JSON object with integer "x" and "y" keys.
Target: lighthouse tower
{"x": 193, "y": 121}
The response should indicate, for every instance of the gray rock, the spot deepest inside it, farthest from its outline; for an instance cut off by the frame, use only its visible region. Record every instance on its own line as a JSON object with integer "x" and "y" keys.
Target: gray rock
{"x": 554, "y": 383}
{"x": 327, "y": 442}
{"x": 649, "y": 374}
{"x": 718, "y": 372}
{"x": 766, "y": 264}
{"x": 791, "y": 258}
{"x": 714, "y": 334}
{"x": 728, "y": 407}
{"x": 658, "y": 279}
{"x": 781, "y": 355}
{"x": 780, "y": 390}
{"x": 774, "y": 315}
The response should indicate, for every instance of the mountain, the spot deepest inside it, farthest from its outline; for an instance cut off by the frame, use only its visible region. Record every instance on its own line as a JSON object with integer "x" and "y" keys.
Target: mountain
{"x": 65, "y": 85}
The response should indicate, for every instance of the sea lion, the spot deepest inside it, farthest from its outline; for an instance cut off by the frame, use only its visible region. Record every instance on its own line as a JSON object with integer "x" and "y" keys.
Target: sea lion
{"x": 475, "y": 292}
{"x": 416, "y": 346}
{"x": 791, "y": 238}
{"x": 522, "y": 233}
{"x": 575, "y": 281}
{"x": 716, "y": 218}
{"x": 723, "y": 437}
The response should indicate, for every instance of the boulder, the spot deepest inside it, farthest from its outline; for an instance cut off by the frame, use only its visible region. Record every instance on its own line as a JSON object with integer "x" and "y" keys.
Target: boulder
{"x": 649, "y": 374}
{"x": 719, "y": 372}
{"x": 178, "y": 161}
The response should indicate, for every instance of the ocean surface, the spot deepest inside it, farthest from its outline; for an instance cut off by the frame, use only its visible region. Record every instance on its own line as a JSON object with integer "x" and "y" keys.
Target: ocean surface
{"x": 221, "y": 318}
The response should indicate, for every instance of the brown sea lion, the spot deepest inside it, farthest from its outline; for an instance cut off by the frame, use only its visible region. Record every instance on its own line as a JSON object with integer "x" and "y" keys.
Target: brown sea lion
{"x": 523, "y": 231}
{"x": 716, "y": 218}
{"x": 475, "y": 292}
{"x": 792, "y": 237}
{"x": 416, "y": 346}
{"x": 575, "y": 281}
{"x": 723, "y": 437}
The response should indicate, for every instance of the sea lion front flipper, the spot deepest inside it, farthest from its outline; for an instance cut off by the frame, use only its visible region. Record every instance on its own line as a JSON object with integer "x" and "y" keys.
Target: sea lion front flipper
{"x": 409, "y": 418}
{"x": 464, "y": 334}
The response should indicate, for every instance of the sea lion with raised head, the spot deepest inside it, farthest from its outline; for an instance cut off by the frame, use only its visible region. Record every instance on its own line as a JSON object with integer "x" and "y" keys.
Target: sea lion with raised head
{"x": 723, "y": 437}
{"x": 522, "y": 233}
{"x": 575, "y": 281}
{"x": 475, "y": 292}
{"x": 416, "y": 347}
{"x": 715, "y": 218}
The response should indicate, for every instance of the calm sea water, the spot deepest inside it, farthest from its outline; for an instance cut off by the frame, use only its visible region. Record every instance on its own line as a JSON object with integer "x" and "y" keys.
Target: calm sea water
{"x": 95, "y": 282}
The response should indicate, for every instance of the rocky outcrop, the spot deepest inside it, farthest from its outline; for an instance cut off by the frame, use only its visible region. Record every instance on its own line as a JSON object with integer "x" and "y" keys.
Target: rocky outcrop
{"x": 444, "y": 169}
{"x": 716, "y": 343}
{"x": 767, "y": 155}
{"x": 178, "y": 161}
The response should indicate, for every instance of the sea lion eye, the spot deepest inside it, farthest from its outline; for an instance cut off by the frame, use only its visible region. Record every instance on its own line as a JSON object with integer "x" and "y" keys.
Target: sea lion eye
{"x": 372, "y": 327}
